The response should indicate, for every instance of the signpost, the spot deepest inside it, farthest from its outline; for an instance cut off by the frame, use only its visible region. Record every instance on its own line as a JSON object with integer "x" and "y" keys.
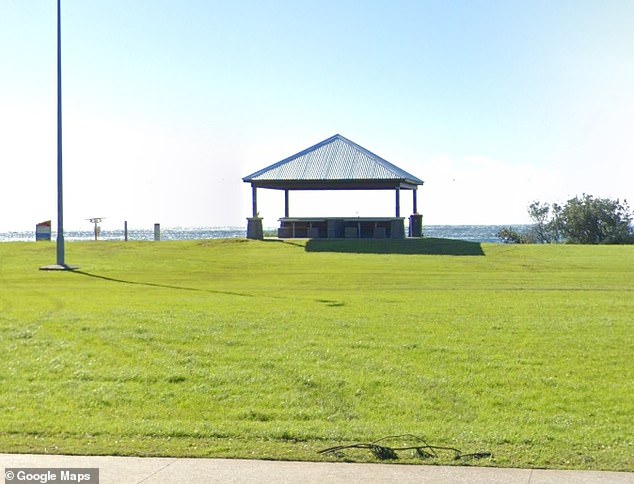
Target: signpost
{"x": 96, "y": 221}
{"x": 43, "y": 231}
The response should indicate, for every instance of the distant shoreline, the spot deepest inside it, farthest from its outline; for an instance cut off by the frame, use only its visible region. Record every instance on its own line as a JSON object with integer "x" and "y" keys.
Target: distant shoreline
{"x": 474, "y": 233}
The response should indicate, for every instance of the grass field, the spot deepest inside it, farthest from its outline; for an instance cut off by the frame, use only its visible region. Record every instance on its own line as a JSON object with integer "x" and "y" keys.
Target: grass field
{"x": 235, "y": 348}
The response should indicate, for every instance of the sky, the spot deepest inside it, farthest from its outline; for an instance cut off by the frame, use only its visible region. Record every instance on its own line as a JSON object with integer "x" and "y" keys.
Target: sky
{"x": 168, "y": 104}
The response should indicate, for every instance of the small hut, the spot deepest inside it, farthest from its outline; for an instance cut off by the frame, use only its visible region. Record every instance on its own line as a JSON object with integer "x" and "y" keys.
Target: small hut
{"x": 336, "y": 164}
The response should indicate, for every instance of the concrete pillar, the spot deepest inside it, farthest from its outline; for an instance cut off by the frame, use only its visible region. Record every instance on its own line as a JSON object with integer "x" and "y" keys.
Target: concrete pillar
{"x": 254, "y": 224}
{"x": 416, "y": 225}
{"x": 254, "y": 228}
{"x": 397, "y": 229}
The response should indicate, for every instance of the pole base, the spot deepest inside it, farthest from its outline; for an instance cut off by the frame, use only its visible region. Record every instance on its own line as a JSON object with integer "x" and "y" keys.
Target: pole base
{"x": 58, "y": 267}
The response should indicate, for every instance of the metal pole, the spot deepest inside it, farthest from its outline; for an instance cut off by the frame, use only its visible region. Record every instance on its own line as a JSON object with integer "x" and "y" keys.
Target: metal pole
{"x": 254, "y": 194}
{"x": 60, "y": 203}
{"x": 286, "y": 208}
{"x": 398, "y": 201}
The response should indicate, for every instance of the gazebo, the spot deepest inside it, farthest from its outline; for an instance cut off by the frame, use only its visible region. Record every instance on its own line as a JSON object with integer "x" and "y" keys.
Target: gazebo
{"x": 335, "y": 164}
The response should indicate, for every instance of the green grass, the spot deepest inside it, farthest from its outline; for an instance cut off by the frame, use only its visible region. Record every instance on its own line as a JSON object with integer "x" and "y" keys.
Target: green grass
{"x": 276, "y": 350}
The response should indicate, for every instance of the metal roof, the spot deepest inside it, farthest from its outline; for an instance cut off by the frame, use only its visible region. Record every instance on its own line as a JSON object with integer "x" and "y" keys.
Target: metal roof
{"x": 334, "y": 163}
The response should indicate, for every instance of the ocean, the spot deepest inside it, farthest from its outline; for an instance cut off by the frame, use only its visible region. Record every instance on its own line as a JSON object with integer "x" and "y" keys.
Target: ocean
{"x": 473, "y": 233}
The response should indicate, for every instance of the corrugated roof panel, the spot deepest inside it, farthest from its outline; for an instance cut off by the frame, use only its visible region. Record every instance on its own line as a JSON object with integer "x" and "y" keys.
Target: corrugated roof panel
{"x": 335, "y": 158}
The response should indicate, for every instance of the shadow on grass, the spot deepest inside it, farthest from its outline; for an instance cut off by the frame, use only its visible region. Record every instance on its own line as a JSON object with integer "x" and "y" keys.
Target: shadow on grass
{"x": 428, "y": 246}
{"x": 155, "y": 284}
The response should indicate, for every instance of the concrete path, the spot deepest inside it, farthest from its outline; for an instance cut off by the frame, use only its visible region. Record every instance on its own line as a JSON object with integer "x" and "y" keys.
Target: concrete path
{"x": 128, "y": 470}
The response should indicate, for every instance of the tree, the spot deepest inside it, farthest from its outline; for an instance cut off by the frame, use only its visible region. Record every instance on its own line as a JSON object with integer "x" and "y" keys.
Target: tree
{"x": 546, "y": 218}
{"x": 545, "y": 228}
{"x": 585, "y": 220}
{"x": 509, "y": 235}
{"x": 590, "y": 220}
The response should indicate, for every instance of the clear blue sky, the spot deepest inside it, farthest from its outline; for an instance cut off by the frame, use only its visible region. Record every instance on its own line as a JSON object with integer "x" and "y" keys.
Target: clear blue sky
{"x": 168, "y": 104}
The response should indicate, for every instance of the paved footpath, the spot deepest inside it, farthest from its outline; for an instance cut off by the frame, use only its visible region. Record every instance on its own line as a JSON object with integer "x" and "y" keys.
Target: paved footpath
{"x": 164, "y": 470}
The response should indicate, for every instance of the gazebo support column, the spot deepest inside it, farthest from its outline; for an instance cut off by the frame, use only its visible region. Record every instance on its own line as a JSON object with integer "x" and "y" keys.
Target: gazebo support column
{"x": 254, "y": 198}
{"x": 286, "y": 210}
{"x": 254, "y": 223}
{"x": 397, "y": 227}
{"x": 415, "y": 219}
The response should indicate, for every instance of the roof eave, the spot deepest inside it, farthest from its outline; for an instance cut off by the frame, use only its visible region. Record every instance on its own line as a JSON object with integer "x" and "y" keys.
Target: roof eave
{"x": 369, "y": 184}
